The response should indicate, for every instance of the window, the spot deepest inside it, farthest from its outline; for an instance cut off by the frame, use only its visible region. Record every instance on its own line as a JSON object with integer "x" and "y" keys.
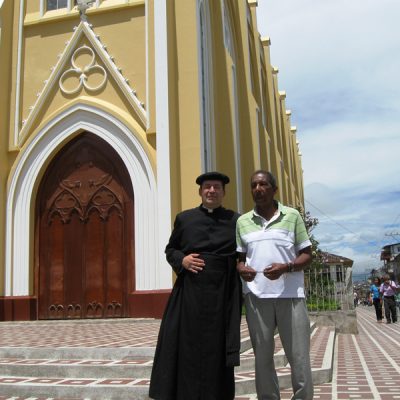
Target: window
{"x": 229, "y": 41}
{"x": 208, "y": 135}
{"x": 56, "y": 4}
{"x": 263, "y": 95}
{"x": 228, "y": 34}
{"x": 251, "y": 49}
{"x": 258, "y": 146}
{"x": 339, "y": 273}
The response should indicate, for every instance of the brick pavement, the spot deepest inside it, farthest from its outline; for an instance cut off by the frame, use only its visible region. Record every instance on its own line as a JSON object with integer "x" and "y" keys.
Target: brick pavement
{"x": 366, "y": 366}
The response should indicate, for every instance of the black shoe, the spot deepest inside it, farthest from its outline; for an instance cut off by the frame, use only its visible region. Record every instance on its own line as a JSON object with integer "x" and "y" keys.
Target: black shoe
{"x": 388, "y": 322}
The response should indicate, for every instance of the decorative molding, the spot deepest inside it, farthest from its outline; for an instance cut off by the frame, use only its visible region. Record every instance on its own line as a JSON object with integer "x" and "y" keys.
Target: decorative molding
{"x": 28, "y": 170}
{"x": 82, "y": 6}
{"x": 266, "y": 41}
{"x": 83, "y": 74}
{"x": 84, "y": 29}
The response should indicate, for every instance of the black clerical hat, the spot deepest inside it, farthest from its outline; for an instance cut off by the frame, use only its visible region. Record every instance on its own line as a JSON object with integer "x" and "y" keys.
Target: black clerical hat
{"x": 212, "y": 176}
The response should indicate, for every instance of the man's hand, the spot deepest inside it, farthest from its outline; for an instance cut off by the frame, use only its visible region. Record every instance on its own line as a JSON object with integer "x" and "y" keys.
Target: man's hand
{"x": 275, "y": 271}
{"x": 247, "y": 273}
{"x": 193, "y": 263}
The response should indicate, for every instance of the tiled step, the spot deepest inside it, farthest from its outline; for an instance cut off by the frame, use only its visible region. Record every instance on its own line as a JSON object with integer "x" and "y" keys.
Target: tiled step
{"x": 118, "y": 389}
{"x": 247, "y": 358}
{"x": 139, "y": 367}
{"x": 247, "y": 354}
{"x": 322, "y": 349}
{"x": 240, "y": 397}
{"x": 37, "y": 398}
{"x": 92, "y": 353}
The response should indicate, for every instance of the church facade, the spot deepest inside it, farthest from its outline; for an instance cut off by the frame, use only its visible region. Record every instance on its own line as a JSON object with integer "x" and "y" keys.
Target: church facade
{"x": 109, "y": 110}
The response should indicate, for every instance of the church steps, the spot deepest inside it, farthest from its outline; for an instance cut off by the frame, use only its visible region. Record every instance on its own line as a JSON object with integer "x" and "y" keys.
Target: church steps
{"x": 92, "y": 353}
{"x": 93, "y": 390}
{"x": 71, "y": 368}
{"x": 123, "y": 373}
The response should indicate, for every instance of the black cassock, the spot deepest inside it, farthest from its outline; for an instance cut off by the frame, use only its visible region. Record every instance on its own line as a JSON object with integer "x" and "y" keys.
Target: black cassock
{"x": 199, "y": 340}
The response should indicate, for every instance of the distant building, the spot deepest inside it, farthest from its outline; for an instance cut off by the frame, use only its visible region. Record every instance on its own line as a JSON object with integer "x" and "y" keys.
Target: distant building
{"x": 332, "y": 281}
{"x": 107, "y": 116}
{"x": 335, "y": 265}
{"x": 390, "y": 255}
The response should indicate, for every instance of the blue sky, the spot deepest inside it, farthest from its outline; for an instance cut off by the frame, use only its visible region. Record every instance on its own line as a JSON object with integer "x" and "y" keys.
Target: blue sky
{"x": 339, "y": 63}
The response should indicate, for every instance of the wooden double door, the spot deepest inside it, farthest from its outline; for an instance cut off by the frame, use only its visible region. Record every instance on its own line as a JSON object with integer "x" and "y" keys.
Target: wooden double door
{"x": 84, "y": 248}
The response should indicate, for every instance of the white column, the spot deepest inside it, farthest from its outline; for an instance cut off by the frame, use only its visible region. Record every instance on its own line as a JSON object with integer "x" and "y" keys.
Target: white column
{"x": 162, "y": 129}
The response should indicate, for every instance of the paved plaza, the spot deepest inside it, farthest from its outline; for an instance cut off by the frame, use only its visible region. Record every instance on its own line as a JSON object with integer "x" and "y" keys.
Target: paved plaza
{"x": 365, "y": 366}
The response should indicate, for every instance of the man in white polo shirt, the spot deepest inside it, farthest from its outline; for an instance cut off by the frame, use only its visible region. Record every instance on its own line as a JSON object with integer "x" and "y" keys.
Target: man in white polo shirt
{"x": 274, "y": 248}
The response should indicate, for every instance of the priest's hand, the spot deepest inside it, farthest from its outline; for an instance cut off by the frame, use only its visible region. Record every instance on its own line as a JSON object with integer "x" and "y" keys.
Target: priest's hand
{"x": 193, "y": 263}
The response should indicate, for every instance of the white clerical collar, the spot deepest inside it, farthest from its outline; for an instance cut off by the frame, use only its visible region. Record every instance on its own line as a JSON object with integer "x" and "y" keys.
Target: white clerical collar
{"x": 209, "y": 210}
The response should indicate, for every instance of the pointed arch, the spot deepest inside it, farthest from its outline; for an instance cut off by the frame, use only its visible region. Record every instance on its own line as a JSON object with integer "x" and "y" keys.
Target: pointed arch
{"x": 29, "y": 168}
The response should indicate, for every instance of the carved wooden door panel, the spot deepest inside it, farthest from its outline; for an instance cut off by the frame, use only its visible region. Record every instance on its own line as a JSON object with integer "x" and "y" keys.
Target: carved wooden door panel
{"x": 84, "y": 233}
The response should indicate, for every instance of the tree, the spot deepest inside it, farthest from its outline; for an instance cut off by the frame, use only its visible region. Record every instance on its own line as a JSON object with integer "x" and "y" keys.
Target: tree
{"x": 310, "y": 223}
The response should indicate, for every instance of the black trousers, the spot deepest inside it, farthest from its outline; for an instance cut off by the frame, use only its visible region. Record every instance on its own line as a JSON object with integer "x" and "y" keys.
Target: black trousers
{"x": 390, "y": 308}
{"x": 378, "y": 309}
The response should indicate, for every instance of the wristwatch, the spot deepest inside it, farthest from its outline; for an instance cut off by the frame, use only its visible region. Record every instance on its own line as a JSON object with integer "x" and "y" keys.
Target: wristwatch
{"x": 290, "y": 267}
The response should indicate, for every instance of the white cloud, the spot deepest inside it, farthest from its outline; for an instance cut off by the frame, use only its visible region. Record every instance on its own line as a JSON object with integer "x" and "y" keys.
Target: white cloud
{"x": 351, "y": 153}
{"x": 339, "y": 64}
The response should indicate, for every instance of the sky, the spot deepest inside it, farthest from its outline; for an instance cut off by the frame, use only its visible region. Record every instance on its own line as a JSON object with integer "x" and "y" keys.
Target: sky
{"x": 339, "y": 64}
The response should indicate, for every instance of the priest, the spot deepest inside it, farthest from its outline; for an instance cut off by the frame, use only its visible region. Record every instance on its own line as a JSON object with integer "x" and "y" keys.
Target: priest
{"x": 199, "y": 339}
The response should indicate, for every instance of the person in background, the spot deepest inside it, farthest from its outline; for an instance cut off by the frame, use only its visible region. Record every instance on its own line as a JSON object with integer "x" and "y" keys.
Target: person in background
{"x": 199, "y": 339}
{"x": 273, "y": 249}
{"x": 397, "y": 299}
{"x": 355, "y": 299}
{"x": 388, "y": 290}
{"x": 377, "y": 298}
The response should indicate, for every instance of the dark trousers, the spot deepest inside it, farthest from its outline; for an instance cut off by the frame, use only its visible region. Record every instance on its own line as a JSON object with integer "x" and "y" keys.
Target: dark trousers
{"x": 390, "y": 308}
{"x": 378, "y": 309}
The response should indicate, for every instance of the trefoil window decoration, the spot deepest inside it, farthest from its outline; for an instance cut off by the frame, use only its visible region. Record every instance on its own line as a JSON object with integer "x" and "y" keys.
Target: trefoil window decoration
{"x": 86, "y": 74}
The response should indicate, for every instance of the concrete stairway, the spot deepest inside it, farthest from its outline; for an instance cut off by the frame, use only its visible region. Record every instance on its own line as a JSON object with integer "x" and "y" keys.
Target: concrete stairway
{"x": 322, "y": 352}
{"x": 123, "y": 373}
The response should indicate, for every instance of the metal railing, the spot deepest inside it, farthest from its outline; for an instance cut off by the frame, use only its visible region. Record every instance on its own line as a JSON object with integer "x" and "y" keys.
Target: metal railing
{"x": 329, "y": 288}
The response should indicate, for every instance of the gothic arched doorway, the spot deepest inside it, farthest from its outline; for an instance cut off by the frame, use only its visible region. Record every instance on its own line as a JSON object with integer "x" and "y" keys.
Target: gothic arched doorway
{"x": 84, "y": 247}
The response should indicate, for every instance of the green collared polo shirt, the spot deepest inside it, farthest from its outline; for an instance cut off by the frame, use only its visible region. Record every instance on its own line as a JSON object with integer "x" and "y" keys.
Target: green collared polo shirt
{"x": 276, "y": 241}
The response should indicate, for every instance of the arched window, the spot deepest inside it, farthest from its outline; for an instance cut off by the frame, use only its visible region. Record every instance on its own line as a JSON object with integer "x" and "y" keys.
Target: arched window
{"x": 229, "y": 41}
{"x": 206, "y": 87}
